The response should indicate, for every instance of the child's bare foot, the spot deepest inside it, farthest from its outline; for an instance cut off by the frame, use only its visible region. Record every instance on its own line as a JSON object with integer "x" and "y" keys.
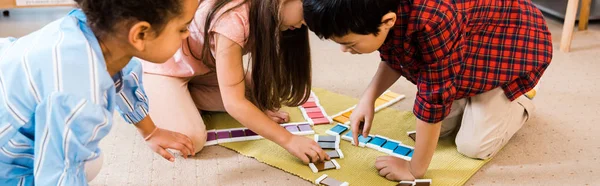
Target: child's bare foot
{"x": 278, "y": 116}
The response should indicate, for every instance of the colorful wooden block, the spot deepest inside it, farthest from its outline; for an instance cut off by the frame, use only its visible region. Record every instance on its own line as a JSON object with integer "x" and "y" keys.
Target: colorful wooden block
{"x": 389, "y": 146}
{"x": 402, "y": 151}
{"x": 327, "y": 181}
{"x": 305, "y": 129}
{"x": 292, "y": 128}
{"x": 327, "y": 145}
{"x": 379, "y": 102}
{"x": 376, "y": 142}
{"x": 337, "y": 153}
{"x": 315, "y": 115}
{"x": 223, "y": 136}
{"x": 347, "y": 114}
{"x": 237, "y": 133}
{"x": 309, "y": 105}
{"x": 325, "y": 138}
{"x": 250, "y": 132}
{"x": 342, "y": 119}
{"x": 314, "y": 109}
{"x": 406, "y": 183}
{"x": 326, "y": 165}
{"x": 392, "y": 94}
{"x": 422, "y": 182}
{"x": 412, "y": 135}
{"x": 337, "y": 130}
{"x": 348, "y": 136}
{"x": 321, "y": 121}
{"x": 211, "y": 138}
{"x": 362, "y": 141}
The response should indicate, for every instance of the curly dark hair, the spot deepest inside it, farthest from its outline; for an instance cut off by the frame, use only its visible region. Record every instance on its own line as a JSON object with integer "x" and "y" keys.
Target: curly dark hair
{"x": 103, "y": 15}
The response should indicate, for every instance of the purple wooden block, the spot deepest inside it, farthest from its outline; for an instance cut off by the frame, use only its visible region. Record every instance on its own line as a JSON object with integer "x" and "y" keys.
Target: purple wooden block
{"x": 292, "y": 128}
{"x": 211, "y": 136}
{"x": 250, "y": 132}
{"x": 305, "y": 127}
{"x": 237, "y": 133}
{"x": 223, "y": 134}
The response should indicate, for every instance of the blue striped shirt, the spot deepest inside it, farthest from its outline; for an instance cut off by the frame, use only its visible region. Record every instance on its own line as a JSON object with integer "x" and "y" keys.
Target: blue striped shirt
{"x": 56, "y": 102}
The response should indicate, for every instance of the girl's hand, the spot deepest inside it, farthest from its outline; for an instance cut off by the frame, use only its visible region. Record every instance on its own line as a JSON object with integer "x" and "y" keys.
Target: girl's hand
{"x": 278, "y": 116}
{"x": 162, "y": 139}
{"x": 305, "y": 149}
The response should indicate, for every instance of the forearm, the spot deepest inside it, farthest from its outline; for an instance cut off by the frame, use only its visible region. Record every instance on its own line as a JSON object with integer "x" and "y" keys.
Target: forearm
{"x": 384, "y": 78}
{"x": 145, "y": 126}
{"x": 427, "y": 139}
{"x": 258, "y": 122}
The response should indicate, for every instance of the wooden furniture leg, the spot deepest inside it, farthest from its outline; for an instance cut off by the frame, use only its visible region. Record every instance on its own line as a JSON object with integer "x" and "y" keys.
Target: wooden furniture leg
{"x": 584, "y": 14}
{"x": 569, "y": 25}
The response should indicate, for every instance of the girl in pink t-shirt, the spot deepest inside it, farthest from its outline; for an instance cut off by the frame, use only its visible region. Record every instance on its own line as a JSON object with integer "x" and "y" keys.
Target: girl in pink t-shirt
{"x": 208, "y": 74}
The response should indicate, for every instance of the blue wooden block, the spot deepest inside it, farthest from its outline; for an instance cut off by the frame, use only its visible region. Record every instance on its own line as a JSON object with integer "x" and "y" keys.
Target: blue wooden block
{"x": 390, "y": 146}
{"x": 411, "y": 153}
{"x": 337, "y": 129}
{"x": 402, "y": 150}
{"x": 377, "y": 141}
{"x": 362, "y": 141}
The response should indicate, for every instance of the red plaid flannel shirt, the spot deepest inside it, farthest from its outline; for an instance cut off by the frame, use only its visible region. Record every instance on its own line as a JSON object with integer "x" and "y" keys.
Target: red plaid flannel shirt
{"x": 453, "y": 49}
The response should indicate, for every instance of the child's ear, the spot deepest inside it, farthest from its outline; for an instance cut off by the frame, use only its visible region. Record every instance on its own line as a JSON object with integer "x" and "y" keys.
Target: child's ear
{"x": 139, "y": 34}
{"x": 388, "y": 20}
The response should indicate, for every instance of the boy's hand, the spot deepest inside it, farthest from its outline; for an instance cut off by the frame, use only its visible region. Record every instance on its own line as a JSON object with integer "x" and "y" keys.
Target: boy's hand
{"x": 305, "y": 149}
{"x": 394, "y": 169}
{"x": 361, "y": 118}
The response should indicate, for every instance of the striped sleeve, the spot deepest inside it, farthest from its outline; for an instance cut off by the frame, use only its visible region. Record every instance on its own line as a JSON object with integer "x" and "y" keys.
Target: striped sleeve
{"x": 68, "y": 137}
{"x": 132, "y": 100}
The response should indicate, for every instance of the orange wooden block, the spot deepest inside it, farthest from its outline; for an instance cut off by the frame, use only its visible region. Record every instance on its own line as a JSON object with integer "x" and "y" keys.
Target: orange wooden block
{"x": 347, "y": 114}
{"x": 341, "y": 119}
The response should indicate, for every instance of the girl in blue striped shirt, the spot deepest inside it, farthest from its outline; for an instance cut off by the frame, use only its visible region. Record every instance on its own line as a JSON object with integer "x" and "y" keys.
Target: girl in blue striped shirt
{"x": 60, "y": 85}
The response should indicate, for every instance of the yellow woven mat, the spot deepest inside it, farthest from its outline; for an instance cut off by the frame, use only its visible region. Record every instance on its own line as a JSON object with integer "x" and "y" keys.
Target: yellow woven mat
{"x": 448, "y": 167}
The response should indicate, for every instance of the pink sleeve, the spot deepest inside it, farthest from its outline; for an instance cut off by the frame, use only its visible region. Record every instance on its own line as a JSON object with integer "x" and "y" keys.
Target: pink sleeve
{"x": 233, "y": 25}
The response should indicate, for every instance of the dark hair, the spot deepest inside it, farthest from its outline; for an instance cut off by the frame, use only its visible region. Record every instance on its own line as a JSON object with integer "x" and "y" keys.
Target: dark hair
{"x": 280, "y": 63}
{"x": 104, "y": 15}
{"x": 328, "y": 18}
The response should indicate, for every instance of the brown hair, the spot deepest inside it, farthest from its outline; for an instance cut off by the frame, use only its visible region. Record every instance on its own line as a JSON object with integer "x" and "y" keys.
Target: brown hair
{"x": 280, "y": 63}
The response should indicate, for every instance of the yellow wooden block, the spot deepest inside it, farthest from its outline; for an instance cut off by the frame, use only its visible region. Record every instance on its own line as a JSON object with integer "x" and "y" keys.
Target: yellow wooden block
{"x": 341, "y": 119}
{"x": 386, "y": 97}
{"x": 379, "y": 102}
{"x": 392, "y": 94}
{"x": 347, "y": 114}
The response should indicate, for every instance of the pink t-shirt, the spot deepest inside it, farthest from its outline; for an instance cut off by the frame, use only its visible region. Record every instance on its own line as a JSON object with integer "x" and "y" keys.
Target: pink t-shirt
{"x": 233, "y": 25}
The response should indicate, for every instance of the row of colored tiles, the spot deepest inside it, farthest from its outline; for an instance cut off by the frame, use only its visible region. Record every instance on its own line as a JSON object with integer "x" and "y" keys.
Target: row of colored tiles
{"x": 244, "y": 134}
{"x": 385, "y": 98}
{"x": 379, "y": 143}
{"x": 314, "y": 112}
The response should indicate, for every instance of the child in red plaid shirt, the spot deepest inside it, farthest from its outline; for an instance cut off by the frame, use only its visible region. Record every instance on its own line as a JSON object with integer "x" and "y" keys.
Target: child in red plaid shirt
{"x": 472, "y": 62}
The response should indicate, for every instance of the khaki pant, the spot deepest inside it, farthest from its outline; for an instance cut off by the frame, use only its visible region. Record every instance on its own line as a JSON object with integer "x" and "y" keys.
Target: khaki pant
{"x": 175, "y": 103}
{"x": 486, "y": 122}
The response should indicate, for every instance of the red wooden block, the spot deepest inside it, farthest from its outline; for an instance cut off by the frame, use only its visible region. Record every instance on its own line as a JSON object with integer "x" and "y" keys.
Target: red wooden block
{"x": 315, "y": 115}
{"x": 314, "y": 109}
{"x": 309, "y": 105}
{"x": 320, "y": 121}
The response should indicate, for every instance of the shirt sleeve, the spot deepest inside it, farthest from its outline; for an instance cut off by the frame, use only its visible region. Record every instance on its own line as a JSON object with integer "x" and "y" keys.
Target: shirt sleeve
{"x": 233, "y": 25}
{"x": 440, "y": 43}
{"x": 67, "y": 136}
{"x": 132, "y": 102}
